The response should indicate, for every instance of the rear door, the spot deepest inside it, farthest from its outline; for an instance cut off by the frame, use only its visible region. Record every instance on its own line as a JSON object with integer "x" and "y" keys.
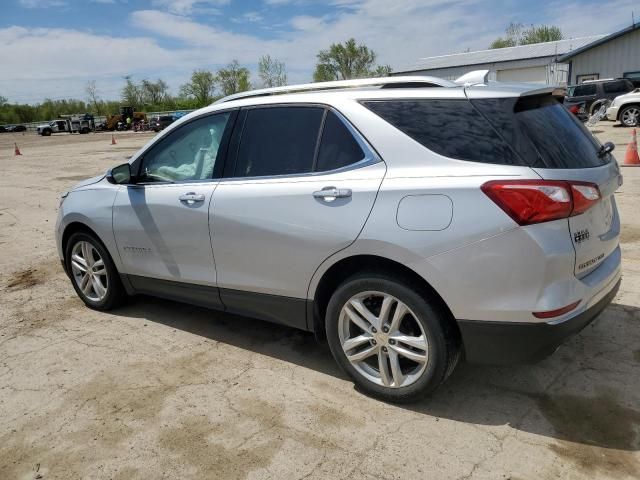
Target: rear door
{"x": 300, "y": 189}
{"x": 558, "y": 147}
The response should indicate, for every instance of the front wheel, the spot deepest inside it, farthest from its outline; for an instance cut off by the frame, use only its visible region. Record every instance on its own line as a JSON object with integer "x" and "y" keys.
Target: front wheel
{"x": 391, "y": 340}
{"x": 93, "y": 273}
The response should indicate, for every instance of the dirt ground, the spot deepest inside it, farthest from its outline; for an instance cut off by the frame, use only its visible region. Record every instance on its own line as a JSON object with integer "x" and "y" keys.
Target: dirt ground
{"x": 163, "y": 390}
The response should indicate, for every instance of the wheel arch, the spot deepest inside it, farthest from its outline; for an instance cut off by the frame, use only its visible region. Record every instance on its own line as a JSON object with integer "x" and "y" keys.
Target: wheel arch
{"x": 346, "y": 267}
{"x": 75, "y": 227}
{"x": 634, "y": 103}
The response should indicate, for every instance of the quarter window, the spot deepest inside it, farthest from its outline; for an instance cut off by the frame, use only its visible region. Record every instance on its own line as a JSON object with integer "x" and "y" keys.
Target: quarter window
{"x": 278, "y": 141}
{"x": 338, "y": 148}
{"x": 188, "y": 153}
{"x": 620, "y": 86}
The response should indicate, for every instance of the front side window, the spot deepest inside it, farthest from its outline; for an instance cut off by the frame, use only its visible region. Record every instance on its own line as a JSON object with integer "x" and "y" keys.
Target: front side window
{"x": 188, "y": 153}
{"x": 278, "y": 141}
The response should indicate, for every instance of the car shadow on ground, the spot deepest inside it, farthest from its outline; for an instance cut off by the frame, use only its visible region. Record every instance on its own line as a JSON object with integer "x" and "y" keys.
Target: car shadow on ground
{"x": 568, "y": 396}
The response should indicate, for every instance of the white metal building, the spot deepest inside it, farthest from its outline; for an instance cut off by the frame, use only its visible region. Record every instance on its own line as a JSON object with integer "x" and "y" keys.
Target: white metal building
{"x": 536, "y": 63}
{"x": 614, "y": 56}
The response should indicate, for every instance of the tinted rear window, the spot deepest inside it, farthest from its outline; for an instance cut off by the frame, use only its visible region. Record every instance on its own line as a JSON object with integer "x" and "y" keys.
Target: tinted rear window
{"x": 542, "y": 132}
{"x": 532, "y": 131}
{"x": 452, "y": 128}
{"x": 619, "y": 86}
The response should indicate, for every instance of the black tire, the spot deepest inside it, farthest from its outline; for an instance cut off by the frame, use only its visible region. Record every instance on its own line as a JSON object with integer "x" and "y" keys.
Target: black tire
{"x": 116, "y": 294}
{"x": 442, "y": 338}
{"x": 46, "y": 133}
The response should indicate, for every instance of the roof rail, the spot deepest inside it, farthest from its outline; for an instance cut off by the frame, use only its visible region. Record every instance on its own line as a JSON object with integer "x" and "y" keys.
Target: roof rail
{"x": 414, "y": 81}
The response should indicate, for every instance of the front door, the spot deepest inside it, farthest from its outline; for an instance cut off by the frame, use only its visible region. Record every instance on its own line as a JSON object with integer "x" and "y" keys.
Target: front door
{"x": 302, "y": 186}
{"x": 161, "y": 223}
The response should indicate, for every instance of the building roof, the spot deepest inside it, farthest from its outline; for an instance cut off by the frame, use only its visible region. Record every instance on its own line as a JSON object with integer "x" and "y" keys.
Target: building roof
{"x": 523, "y": 52}
{"x": 601, "y": 41}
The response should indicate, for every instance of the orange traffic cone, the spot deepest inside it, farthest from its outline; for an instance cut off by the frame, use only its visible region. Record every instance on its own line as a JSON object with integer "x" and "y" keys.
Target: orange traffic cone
{"x": 16, "y": 150}
{"x": 113, "y": 139}
{"x": 631, "y": 157}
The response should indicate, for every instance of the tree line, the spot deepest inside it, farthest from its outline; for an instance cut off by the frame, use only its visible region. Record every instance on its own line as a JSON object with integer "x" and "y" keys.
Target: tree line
{"x": 341, "y": 61}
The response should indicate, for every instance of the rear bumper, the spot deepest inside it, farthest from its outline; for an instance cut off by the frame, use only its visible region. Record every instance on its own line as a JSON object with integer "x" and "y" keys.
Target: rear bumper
{"x": 500, "y": 343}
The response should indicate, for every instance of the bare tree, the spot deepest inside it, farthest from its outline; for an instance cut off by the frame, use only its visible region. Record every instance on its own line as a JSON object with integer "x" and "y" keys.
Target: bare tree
{"x": 92, "y": 93}
{"x": 272, "y": 72}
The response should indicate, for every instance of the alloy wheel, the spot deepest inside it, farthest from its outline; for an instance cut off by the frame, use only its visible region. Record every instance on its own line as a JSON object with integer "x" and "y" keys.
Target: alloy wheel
{"x": 89, "y": 271}
{"x": 631, "y": 116}
{"x": 382, "y": 339}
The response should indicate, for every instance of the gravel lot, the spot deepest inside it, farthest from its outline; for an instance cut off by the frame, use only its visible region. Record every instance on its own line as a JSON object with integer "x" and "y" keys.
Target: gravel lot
{"x": 163, "y": 390}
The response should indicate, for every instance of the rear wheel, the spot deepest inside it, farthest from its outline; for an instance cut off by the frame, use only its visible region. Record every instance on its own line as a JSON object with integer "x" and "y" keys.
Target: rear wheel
{"x": 46, "y": 133}
{"x": 630, "y": 116}
{"x": 392, "y": 341}
{"x": 93, "y": 273}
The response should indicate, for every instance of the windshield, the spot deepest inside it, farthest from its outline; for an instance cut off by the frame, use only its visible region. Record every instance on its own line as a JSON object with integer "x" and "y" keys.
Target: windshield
{"x": 543, "y": 132}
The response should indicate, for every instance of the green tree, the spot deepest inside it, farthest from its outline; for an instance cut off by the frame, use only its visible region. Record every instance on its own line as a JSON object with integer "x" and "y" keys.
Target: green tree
{"x": 516, "y": 34}
{"x": 272, "y": 72}
{"x": 201, "y": 88}
{"x": 131, "y": 93}
{"x": 346, "y": 61}
{"x": 541, "y": 34}
{"x": 233, "y": 79}
{"x": 155, "y": 94}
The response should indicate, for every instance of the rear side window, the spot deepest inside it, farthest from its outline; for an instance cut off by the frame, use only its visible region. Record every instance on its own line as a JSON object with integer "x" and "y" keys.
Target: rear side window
{"x": 584, "y": 90}
{"x": 278, "y": 141}
{"x": 620, "y": 86}
{"x": 542, "y": 132}
{"x": 338, "y": 148}
{"x": 452, "y": 128}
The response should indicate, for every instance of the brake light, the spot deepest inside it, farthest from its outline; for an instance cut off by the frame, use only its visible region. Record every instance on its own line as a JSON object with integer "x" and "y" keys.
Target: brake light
{"x": 574, "y": 109}
{"x": 537, "y": 201}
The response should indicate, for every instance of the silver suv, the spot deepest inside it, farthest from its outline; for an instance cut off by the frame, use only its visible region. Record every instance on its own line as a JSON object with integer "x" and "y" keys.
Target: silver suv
{"x": 409, "y": 221}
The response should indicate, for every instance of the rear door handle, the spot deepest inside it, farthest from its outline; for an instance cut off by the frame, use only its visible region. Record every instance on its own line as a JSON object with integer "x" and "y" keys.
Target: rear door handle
{"x": 192, "y": 198}
{"x": 329, "y": 194}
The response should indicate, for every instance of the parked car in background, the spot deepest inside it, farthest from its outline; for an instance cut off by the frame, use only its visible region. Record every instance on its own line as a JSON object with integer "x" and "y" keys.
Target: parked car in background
{"x": 578, "y": 109}
{"x": 16, "y": 128}
{"x": 407, "y": 226}
{"x": 3, "y": 128}
{"x": 626, "y": 109}
{"x": 595, "y": 93}
{"x": 160, "y": 122}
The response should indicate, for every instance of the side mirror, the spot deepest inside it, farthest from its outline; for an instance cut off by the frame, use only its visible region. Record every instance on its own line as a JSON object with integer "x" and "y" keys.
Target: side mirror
{"x": 120, "y": 175}
{"x": 609, "y": 147}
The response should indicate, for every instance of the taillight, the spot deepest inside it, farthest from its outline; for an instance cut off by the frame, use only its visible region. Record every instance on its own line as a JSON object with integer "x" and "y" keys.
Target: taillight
{"x": 574, "y": 109}
{"x": 536, "y": 201}
{"x": 585, "y": 195}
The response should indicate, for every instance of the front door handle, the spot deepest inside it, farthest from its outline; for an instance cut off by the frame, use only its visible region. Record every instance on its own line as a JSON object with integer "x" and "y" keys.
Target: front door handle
{"x": 329, "y": 194}
{"x": 192, "y": 198}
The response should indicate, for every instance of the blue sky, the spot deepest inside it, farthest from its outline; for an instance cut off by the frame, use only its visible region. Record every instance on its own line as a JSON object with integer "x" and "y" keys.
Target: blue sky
{"x": 51, "y": 48}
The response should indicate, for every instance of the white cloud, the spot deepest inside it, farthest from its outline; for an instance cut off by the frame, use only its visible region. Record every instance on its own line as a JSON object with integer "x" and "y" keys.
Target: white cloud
{"x": 188, "y": 7}
{"x": 42, "y": 3}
